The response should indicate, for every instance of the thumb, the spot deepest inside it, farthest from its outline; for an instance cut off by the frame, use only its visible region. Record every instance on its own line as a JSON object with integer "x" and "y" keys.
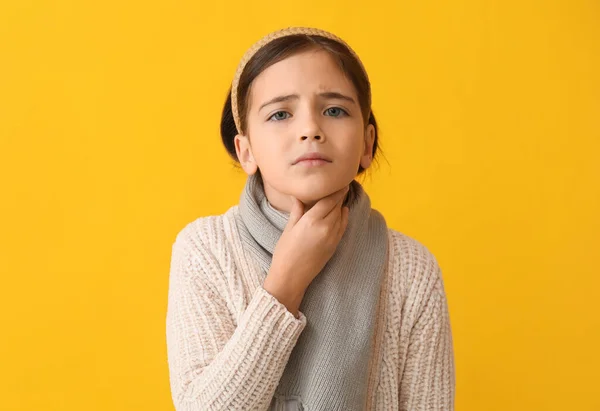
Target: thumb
{"x": 297, "y": 211}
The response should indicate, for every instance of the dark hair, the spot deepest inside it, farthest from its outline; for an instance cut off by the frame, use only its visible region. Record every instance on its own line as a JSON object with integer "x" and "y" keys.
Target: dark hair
{"x": 280, "y": 49}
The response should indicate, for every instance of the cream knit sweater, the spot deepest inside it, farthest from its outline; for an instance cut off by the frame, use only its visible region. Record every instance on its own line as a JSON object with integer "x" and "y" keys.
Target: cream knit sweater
{"x": 228, "y": 340}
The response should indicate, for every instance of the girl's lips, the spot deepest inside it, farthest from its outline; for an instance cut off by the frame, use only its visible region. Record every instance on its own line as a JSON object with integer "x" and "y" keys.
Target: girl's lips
{"x": 312, "y": 162}
{"x": 314, "y": 155}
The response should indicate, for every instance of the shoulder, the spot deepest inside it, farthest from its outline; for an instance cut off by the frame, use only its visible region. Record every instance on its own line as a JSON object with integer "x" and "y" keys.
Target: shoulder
{"x": 206, "y": 241}
{"x": 207, "y": 232}
{"x": 414, "y": 270}
{"x": 201, "y": 230}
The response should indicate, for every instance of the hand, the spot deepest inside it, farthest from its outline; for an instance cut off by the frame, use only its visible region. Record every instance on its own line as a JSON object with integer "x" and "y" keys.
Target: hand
{"x": 306, "y": 244}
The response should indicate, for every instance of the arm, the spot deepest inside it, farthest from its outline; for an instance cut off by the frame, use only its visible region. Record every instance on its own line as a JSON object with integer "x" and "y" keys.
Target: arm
{"x": 214, "y": 365}
{"x": 428, "y": 382}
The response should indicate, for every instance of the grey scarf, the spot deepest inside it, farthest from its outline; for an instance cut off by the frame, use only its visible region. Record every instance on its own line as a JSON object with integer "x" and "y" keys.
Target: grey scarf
{"x": 328, "y": 367}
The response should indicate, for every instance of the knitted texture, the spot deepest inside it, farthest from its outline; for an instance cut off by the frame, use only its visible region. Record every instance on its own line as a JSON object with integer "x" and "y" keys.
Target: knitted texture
{"x": 229, "y": 340}
{"x": 327, "y": 370}
{"x": 289, "y": 31}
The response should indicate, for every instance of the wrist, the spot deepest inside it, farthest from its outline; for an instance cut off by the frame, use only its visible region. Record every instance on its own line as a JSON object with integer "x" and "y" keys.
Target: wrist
{"x": 285, "y": 293}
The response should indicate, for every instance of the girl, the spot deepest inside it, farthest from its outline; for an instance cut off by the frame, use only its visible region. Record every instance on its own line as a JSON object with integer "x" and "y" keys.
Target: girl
{"x": 300, "y": 297}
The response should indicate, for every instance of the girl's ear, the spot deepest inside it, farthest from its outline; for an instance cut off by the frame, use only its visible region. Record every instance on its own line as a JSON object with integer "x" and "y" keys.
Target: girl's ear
{"x": 244, "y": 154}
{"x": 367, "y": 158}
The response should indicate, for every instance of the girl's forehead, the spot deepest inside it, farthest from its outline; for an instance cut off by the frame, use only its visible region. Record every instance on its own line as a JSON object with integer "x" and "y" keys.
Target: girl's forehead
{"x": 310, "y": 71}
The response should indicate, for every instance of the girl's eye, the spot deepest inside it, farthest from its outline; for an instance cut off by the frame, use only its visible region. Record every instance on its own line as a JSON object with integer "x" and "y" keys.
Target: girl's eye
{"x": 280, "y": 115}
{"x": 335, "y": 112}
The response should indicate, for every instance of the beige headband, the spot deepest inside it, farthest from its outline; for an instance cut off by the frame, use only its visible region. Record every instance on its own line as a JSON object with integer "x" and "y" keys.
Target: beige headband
{"x": 267, "y": 39}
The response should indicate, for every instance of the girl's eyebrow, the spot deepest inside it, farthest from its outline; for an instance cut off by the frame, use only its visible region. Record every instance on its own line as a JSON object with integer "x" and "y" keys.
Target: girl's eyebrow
{"x": 334, "y": 95}
{"x": 279, "y": 99}
{"x": 330, "y": 95}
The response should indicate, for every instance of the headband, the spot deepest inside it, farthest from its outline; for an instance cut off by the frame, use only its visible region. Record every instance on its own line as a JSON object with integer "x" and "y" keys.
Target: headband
{"x": 290, "y": 31}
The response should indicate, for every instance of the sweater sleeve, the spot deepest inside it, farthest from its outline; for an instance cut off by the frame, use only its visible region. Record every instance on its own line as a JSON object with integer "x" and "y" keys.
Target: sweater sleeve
{"x": 428, "y": 381}
{"x": 214, "y": 364}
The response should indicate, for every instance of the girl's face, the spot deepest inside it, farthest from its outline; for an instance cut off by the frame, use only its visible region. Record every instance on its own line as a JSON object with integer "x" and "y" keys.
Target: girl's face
{"x": 304, "y": 104}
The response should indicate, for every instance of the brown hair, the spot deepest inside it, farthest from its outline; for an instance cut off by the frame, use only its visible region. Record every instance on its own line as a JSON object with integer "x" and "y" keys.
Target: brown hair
{"x": 278, "y": 50}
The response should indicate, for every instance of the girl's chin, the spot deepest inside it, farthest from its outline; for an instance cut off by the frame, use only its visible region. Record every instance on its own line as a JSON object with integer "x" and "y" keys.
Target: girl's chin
{"x": 306, "y": 189}
{"x": 311, "y": 195}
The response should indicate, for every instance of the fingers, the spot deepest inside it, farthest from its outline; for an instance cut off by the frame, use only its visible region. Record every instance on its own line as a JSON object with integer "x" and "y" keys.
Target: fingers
{"x": 335, "y": 214}
{"x": 338, "y": 221}
{"x": 296, "y": 213}
{"x": 326, "y": 205}
{"x": 344, "y": 222}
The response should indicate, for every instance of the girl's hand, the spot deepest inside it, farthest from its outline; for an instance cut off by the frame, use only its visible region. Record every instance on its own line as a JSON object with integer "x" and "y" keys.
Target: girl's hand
{"x": 306, "y": 244}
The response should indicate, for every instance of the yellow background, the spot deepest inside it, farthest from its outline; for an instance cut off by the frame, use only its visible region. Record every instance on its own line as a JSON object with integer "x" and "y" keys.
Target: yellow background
{"x": 109, "y": 145}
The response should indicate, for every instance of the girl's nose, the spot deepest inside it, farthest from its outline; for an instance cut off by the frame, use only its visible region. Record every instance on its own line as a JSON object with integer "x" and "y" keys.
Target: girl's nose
{"x": 316, "y": 137}
{"x": 310, "y": 129}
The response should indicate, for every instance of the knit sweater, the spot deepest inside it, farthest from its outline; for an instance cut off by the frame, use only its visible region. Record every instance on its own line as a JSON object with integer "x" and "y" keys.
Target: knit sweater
{"x": 229, "y": 340}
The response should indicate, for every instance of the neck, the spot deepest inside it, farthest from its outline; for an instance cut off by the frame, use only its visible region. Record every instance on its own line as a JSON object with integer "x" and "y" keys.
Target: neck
{"x": 283, "y": 203}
